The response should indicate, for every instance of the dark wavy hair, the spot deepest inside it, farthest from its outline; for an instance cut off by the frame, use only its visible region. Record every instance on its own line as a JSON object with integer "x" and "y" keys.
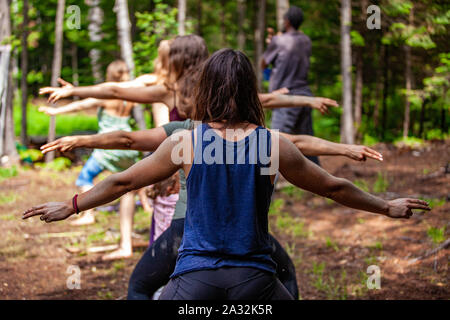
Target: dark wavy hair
{"x": 226, "y": 90}
{"x": 186, "y": 55}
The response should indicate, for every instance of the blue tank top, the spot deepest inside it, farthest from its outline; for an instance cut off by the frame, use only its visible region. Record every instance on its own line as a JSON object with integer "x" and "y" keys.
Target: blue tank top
{"x": 227, "y": 204}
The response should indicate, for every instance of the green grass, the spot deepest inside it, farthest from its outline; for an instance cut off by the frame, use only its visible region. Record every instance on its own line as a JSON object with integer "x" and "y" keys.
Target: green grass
{"x": 38, "y": 122}
{"x": 6, "y": 173}
{"x": 381, "y": 184}
{"x": 434, "y": 202}
{"x": 437, "y": 235}
{"x": 331, "y": 244}
{"x": 293, "y": 192}
{"x": 9, "y": 197}
{"x": 275, "y": 207}
{"x": 362, "y": 184}
{"x": 333, "y": 288}
{"x": 293, "y": 226}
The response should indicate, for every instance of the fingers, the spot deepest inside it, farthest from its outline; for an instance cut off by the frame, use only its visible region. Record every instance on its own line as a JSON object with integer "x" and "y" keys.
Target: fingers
{"x": 418, "y": 204}
{"x": 34, "y": 212}
{"x": 48, "y": 149}
{"x": 331, "y": 102}
{"x": 47, "y": 90}
{"x": 372, "y": 154}
{"x": 63, "y": 82}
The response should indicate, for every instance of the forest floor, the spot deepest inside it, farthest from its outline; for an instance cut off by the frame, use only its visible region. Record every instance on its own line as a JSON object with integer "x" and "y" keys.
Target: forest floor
{"x": 331, "y": 246}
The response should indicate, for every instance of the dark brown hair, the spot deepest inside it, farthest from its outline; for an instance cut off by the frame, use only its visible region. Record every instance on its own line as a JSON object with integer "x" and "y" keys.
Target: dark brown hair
{"x": 116, "y": 70}
{"x": 227, "y": 91}
{"x": 187, "y": 53}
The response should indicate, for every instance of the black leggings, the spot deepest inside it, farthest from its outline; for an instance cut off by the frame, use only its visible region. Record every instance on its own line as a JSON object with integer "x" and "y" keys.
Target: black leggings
{"x": 227, "y": 283}
{"x": 158, "y": 262}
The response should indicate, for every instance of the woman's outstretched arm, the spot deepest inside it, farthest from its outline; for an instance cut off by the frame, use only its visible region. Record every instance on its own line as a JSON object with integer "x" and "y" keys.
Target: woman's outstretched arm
{"x": 313, "y": 146}
{"x": 151, "y": 94}
{"x": 84, "y": 104}
{"x": 142, "y": 140}
{"x": 148, "y": 171}
{"x": 307, "y": 175}
{"x": 273, "y": 100}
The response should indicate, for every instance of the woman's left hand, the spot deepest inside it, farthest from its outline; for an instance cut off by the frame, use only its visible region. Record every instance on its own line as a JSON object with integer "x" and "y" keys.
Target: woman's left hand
{"x": 51, "y": 211}
{"x": 361, "y": 153}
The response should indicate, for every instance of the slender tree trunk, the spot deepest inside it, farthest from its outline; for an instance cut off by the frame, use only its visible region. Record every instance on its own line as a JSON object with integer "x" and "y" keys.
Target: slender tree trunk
{"x": 282, "y": 8}
{"x": 422, "y": 117}
{"x": 259, "y": 38}
{"x": 199, "y": 17}
{"x": 241, "y": 7}
{"x": 56, "y": 69}
{"x": 181, "y": 17}
{"x": 126, "y": 51}
{"x": 358, "y": 89}
{"x": 385, "y": 92}
{"x": 408, "y": 89}
{"x": 24, "y": 69}
{"x": 95, "y": 17}
{"x": 378, "y": 88}
{"x": 7, "y": 138}
{"x": 347, "y": 135}
{"x": 223, "y": 31}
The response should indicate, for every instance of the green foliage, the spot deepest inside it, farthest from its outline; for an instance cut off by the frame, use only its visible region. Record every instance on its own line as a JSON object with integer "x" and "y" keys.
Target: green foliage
{"x": 357, "y": 39}
{"x": 331, "y": 244}
{"x": 38, "y": 122}
{"x": 275, "y": 207}
{"x": 30, "y": 155}
{"x": 292, "y": 226}
{"x": 8, "y": 172}
{"x": 293, "y": 192}
{"x": 362, "y": 184}
{"x": 154, "y": 26}
{"x": 381, "y": 184}
{"x": 437, "y": 235}
{"x": 59, "y": 164}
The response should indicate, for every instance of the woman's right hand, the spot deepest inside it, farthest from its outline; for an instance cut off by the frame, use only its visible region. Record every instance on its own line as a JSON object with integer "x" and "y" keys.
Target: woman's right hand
{"x": 61, "y": 144}
{"x": 48, "y": 110}
{"x": 402, "y": 208}
{"x": 57, "y": 93}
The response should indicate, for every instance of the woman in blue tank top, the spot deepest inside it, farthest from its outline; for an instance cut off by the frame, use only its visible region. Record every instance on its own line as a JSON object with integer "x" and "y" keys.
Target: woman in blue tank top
{"x": 230, "y": 161}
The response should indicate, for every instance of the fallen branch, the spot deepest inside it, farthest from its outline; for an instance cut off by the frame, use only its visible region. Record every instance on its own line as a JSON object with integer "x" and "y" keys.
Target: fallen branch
{"x": 442, "y": 246}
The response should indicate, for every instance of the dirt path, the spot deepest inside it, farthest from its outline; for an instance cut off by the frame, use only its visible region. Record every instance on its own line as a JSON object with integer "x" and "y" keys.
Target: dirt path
{"x": 331, "y": 245}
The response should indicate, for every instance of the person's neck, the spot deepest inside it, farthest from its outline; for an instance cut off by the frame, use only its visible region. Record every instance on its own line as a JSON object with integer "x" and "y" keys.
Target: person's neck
{"x": 290, "y": 30}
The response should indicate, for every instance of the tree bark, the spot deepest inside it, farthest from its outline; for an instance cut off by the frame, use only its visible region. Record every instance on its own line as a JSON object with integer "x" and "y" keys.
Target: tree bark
{"x": 199, "y": 17}
{"x": 95, "y": 17}
{"x": 408, "y": 88}
{"x": 347, "y": 135}
{"x": 259, "y": 38}
{"x": 56, "y": 69}
{"x": 181, "y": 17}
{"x": 385, "y": 91}
{"x": 241, "y": 7}
{"x": 126, "y": 51}
{"x": 223, "y": 31}
{"x": 8, "y": 149}
{"x": 24, "y": 71}
{"x": 358, "y": 89}
{"x": 282, "y": 8}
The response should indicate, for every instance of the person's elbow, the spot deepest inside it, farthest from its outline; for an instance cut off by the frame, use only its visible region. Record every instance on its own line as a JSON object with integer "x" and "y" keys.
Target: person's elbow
{"x": 122, "y": 183}
{"x": 126, "y": 140}
{"x": 334, "y": 187}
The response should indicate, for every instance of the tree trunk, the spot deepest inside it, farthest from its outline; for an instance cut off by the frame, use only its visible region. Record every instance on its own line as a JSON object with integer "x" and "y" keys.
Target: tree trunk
{"x": 199, "y": 17}
{"x": 56, "y": 69}
{"x": 282, "y": 8}
{"x": 259, "y": 38}
{"x": 408, "y": 89}
{"x": 126, "y": 51}
{"x": 181, "y": 17}
{"x": 7, "y": 139}
{"x": 422, "y": 117}
{"x": 241, "y": 7}
{"x": 95, "y": 17}
{"x": 385, "y": 92}
{"x": 358, "y": 89}
{"x": 378, "y": 88}
{"x": 223, "y": 31}
{"x": 24, "y": 69}
{"x": 347, "y": 135}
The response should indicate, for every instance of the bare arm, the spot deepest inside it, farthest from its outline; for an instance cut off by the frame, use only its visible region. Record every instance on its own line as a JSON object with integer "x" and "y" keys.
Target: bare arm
{"x": 271, "y": 101}
{"x": 313, "y": 146}
{"x": 307, "y": 175}
{"x": 143, "y": 140}
{"x": 150, "y": 170}
{"x": 151, "y": 94}
{"x": 84, "y": 104}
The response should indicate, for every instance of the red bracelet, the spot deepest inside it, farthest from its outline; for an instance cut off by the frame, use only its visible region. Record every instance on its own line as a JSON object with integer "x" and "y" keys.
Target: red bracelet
{"x": 74, "y": 203}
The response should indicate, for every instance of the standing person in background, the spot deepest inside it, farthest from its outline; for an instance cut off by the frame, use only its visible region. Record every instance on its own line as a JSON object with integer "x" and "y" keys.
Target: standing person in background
{"x": 289, "y": 54}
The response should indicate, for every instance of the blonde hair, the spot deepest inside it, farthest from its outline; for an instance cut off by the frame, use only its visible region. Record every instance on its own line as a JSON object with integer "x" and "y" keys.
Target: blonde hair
{"x": 116, "y": 70}
{"x": 162, "y": 61}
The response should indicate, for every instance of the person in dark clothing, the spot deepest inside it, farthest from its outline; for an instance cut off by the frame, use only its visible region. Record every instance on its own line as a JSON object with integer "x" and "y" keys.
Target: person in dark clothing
{"x": 289, "y": 54}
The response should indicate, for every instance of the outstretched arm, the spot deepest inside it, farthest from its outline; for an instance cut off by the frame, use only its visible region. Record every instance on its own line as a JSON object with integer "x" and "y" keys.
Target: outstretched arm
{"x": 150, "y": 170}
{"x": 151, "y": 94}
{"x": 271, "y": 101}
{"x": 142, "y": 140}
{"x": 307, "y": 175}
{"x": 84, "y": 104}
{"x": 313, "y": 146}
